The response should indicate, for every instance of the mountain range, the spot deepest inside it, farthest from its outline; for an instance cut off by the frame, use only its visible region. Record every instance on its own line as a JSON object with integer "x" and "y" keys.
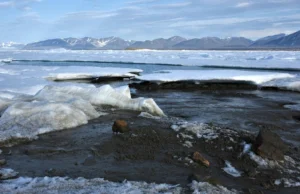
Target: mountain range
{"x": 279, "y": 41}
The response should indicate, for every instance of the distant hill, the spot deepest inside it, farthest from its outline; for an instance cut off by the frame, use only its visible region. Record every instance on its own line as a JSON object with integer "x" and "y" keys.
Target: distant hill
{"x": 214, "y": 43}
{"x": 160, "y": 43}
{"x": 279, "y": 41}
{"x": 85, "y": 43}
{"x": 290, "y": 41}
{"x": 265, "y": 40}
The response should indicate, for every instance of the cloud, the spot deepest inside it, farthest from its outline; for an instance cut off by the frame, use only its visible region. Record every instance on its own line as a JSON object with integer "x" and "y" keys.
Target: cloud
{"x": 6, "y": 4}
{"x": 243, "y": 4}
{"x": 20, "y": 4}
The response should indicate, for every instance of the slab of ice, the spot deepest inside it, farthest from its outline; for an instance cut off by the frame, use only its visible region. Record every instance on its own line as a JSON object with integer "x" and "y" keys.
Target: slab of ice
{"x": 28, "y": 79}
{"x": 229, "y": 169}
{"x": 56, "y": 108}
{"x": 78, "y": 73}
{"x": 180, "y": 75}
{"x": 104, "y": 95}
{"x": 244, "y": 59}
{"x": 53, "y": 185}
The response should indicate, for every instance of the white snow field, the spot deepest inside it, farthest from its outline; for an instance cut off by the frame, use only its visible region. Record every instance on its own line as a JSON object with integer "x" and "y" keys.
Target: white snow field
{"x": 247, "y": 59}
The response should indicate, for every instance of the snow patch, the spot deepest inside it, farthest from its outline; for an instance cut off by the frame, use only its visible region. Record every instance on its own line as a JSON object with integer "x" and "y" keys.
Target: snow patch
{"x": 229, "y": 169}
{"x": 287, "y": 182}
{"x": 205, "y": 188}
{"x": 7, "y": 173}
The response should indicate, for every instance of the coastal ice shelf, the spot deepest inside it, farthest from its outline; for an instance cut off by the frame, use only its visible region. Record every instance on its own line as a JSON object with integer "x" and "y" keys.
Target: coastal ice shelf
{"x": 283, "y": 60}
{"x": 290, "y": 81}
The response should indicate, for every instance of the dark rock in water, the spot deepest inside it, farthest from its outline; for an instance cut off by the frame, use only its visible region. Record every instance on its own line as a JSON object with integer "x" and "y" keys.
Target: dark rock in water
{"x": 120, "y": 126}
{"x": 269, "y": 145}
{"x": 197, "y": 157}
{"x": 89, "y": 161}
{"x": 194, "y": 177}
{"x": 110, "y": 79}
{"x": 2, "y": 162}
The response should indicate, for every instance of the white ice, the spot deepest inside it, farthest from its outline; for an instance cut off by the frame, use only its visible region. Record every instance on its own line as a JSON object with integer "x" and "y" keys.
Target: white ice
{"x": 229, "y": 169}
{"x": 205, "y": 75}
{"x": 55, "y": 108}
{"x": 28, "y": 79}
{"x": 51, "y": 185}
{"x": 201, "y": 130}
{"x": 6, "y": 173}
{"x": 249, "y": 59}
{"x": 206, "y": 188}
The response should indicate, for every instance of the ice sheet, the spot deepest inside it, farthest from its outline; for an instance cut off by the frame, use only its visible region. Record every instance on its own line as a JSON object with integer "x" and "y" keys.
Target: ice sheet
{"x": 179, "y": 75}
{"x": 30, "y": 79}
{"x": 249, "y": 59}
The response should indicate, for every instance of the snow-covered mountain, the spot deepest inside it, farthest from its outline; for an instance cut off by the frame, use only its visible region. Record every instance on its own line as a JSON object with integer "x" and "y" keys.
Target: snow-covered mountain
{"x": 175, "y": 42}
{"x": 86, "y": 43}
{"x": 159, "y": 43}
{"x": 265, "y": 40}
{"x": 290, "y": 41}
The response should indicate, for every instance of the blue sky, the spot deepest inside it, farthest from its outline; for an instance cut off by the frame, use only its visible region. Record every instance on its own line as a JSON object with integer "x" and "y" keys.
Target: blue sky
{"x": 33, "y": 20}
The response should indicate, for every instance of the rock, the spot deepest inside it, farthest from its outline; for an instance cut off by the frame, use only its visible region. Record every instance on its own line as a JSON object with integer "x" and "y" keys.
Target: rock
{"x": 120, "y": 126}
{"x": 269, "y": 145}
{"x": 2, "y": 162}
{"x": 197, "y": 157}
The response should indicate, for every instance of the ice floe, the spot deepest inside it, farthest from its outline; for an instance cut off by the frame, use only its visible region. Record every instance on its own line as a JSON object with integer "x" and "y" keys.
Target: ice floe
{"x": 206, "y": 75}
{"x": 57, "y": 107}
{"x": 28, "y": 79}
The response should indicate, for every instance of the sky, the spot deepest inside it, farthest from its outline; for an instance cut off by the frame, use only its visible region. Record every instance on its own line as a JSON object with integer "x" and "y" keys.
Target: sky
{"x": 27, "y": 21}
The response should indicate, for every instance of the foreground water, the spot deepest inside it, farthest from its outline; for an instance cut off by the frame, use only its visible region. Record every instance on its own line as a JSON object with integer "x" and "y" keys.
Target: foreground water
{"x": 28, "y": 108}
